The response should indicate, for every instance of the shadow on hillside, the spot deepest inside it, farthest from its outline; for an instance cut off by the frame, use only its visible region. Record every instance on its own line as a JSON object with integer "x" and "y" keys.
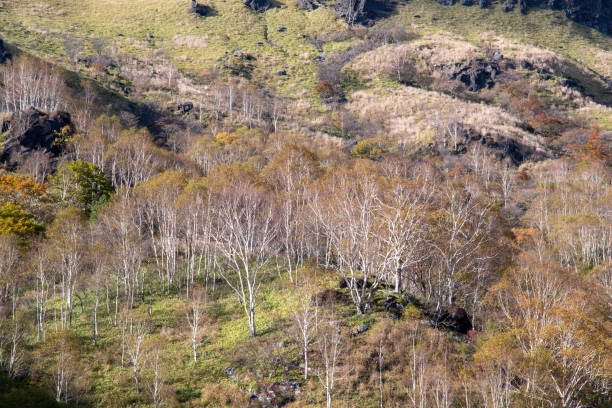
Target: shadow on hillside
{"x": 379, "y": 9}
{"x": 592, "y": 86}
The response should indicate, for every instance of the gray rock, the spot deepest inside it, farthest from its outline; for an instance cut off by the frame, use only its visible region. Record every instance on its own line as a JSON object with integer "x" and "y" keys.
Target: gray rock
{"x": 307, "y": 5}
{"x": 361, "y": 329}
{"x": 199, "y": 9}
{"x": 231, "y": 373}
{"x": 257, "y": 5}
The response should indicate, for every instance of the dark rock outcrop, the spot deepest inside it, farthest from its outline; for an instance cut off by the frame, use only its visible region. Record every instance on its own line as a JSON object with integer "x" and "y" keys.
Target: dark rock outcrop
{"x": 452, "y": 318}
{"x": 257, "y": 5}
{"x": 199, "y": 9}
{"x": 545, "y": 74}
{"x": 4, "y": 54}
{"x": 478, "y": 75}
{"x": 365, "y": 12}
{"x": 34, "y": 130}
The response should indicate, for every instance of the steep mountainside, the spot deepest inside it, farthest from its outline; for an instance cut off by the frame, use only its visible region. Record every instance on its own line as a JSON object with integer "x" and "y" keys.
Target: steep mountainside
{"x": 593, "y": 13}
{"x": 305, "y": 203}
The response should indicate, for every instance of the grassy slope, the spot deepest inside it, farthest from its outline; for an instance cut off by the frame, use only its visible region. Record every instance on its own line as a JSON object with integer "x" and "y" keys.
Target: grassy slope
{"x": 226, "y": 343}
{"x": 143, "y": 28}
{"x": 196, "y": 44}
{"x": 226, "y": 329}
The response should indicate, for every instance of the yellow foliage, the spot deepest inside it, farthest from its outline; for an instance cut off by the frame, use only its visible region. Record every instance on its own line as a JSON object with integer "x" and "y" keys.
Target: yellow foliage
{"x": 225, "y": 138}
{"x": 14, "y": 220}
{"x": 370, "y": 148}
{"x": 19, "y": 187}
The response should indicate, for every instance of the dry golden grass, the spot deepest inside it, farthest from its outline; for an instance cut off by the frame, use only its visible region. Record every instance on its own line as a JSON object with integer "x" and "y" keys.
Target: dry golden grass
{"x": 432, "y": 49}
{"x": 442, "y": 48}
{"x": 410, "y": 115}
{"x": 604, "y": 63}
{"x": 190, "y": 41}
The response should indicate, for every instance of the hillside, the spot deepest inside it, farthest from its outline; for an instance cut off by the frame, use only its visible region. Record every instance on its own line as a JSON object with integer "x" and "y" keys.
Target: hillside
{"x": 314, "y": 203}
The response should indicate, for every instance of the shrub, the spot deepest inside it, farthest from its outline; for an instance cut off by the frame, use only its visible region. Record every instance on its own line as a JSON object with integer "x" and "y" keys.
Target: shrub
{"x": 225, "y": 138}
{"x": 370, "y": 148}
{"x": 325, "y": 90}
{"x": 83, "y": 185}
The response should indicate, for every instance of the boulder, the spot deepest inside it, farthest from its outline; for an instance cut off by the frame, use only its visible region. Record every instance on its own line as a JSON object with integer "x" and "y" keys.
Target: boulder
{"x": 34, "y": 130}
{"x": 452, "y": 318}
{"x": 483, "y": 3}
{"x": 361, "y": 329}
{"x": 277, "y": 394}
{"x": 359, "y": 283}
{"x": 410, "y": 299}
{"x": 307, "y": 5}
{"x": 199, "y": 9}
{"x": 185, "y": 107}
{"x": 257, "y": 5}
{"x": 325, "y": 297}
{"x": 4, "y": 54}
{"x": 231, "y": 373}
{"x": 391, "y": 305}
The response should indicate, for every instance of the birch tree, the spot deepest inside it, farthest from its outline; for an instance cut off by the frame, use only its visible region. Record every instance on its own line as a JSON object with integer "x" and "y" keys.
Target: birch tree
{"x": 195, "y": 315}
{"x": 306, "y": 320}
{"x": 245, "y": 235}
{"x": 329, "y": 345}
{"x": 68, "y": 249}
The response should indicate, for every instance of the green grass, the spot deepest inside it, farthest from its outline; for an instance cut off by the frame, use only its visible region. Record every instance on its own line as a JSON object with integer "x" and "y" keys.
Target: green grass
{"x": 226, "y": 340}
{"x": 126, "y": 24}
{"x": 197, "y": 44}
